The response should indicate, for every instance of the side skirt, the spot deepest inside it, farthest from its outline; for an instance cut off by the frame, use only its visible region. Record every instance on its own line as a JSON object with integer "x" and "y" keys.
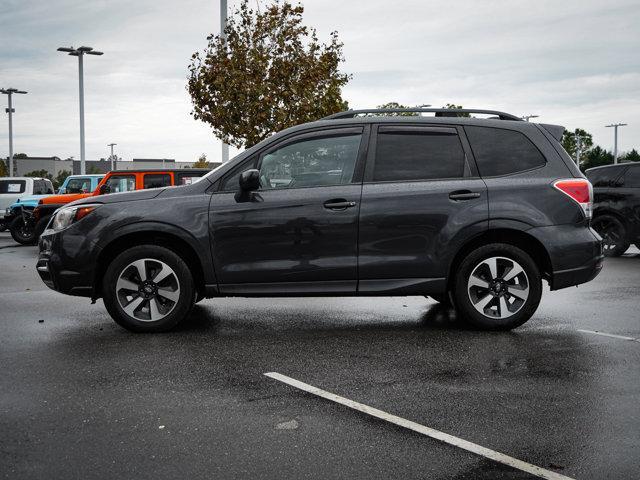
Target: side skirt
{"x": 339, "y": 288}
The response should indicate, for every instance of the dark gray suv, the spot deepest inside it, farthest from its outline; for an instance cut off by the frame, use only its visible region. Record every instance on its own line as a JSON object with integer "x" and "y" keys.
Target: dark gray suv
{"x": 476, "y": 212}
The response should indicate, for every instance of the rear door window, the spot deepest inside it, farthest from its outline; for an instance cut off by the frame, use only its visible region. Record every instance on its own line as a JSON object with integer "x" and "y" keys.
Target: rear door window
{"x": 156, "y": 180}
{"x": 632, "y": 177}
{"x": 417, "y": 153}
{"x": 501, "y": 152}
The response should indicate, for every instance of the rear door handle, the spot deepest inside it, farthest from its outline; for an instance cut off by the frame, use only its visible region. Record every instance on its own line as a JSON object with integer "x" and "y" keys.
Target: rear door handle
{"x": 463, "y": 195}
{"x": 338, "y": 204}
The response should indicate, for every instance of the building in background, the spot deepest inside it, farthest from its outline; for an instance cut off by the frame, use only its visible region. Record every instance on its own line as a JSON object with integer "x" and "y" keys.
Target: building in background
{"x": 54, "y": 165}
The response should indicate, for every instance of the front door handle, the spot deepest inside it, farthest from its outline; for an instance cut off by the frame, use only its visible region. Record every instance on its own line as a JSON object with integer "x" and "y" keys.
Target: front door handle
{"x": 463, "y": 195}
{"x": 338, "y": 204}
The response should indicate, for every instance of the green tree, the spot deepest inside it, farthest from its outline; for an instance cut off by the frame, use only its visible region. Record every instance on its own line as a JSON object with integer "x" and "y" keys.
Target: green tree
{"x": 39, "y": 173}
{"x": 270, "y": 73}
{"x": 596, "y": 157}
{"x": 20, "y": 155}
{"x": 202, "y": 162}
{"x": 93, "y": 170}
{"x": 4, "y": 168}
{"x": 631, "y": 156}
{"x": 398, "y": 105}
{"x": 60, "y": 178}
{"x": 569, "y": 142}
{"x": 457, "y": 107}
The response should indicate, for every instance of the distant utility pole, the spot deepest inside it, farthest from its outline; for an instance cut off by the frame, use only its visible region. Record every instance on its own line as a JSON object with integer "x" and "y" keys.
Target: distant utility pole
{"x": 8, "y": 92}
{"x": 223, "y": 25}
{"x": 526, "y": 118}
{"x": 111, "y": 156}
{"x": 615, "y": 139}
{"x": 80, "y": 52}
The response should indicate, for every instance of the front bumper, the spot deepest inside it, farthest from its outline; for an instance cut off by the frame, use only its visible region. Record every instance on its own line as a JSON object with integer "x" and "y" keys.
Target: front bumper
{"x": 64, "y": 265}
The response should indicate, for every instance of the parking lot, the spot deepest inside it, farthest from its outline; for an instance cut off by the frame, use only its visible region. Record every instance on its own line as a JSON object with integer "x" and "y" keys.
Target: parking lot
{"x": 83, "y": 398}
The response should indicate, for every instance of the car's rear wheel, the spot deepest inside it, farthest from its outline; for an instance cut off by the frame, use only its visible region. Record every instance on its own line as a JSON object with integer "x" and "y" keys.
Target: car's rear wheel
{"x": 613, "y": 235}
{"x": 148, "y": 288}
{"x": 23, "y": 232}
{"x": 497, "y": 287}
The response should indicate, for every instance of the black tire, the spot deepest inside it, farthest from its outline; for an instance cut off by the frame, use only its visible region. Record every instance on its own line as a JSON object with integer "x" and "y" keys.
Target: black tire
{"x": 3, "y": 225}
{"x": 523, "y": 309}
{"x": 177, "y": 310}
{"x": 613, "y": 233}
{"x": 22, "y": 233}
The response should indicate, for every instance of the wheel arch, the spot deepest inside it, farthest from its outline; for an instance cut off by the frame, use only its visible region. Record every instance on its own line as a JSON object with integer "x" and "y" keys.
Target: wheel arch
{"x": 174, "y": 241}
{"x": 517, "y": 238}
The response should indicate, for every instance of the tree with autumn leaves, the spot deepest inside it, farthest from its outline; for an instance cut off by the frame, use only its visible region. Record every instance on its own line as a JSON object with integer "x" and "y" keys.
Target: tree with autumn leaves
{"x": 269, "y": 73}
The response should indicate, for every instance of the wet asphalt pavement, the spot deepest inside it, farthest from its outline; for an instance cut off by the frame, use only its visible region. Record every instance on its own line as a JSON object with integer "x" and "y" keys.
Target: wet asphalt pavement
{"x": 82, "y": 398}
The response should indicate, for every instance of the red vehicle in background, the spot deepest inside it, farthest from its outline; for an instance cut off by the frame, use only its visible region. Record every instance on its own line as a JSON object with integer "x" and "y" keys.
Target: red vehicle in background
{"x": 115, "y": 182}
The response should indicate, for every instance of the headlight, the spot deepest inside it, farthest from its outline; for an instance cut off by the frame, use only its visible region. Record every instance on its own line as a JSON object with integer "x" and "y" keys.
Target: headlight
{"x": 8, "y": 211}
{"x": 69, "y": 215}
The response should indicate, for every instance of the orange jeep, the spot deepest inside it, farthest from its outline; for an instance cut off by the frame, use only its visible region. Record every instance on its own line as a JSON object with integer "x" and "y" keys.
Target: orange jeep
{"x": 115, "y": 182}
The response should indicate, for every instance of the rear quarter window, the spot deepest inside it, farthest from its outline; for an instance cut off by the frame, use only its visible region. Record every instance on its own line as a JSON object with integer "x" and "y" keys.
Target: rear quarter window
{"x": 502, "y": 152}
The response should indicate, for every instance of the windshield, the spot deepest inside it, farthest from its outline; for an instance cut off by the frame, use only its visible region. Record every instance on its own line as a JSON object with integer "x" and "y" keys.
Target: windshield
{"x": 12, "y": 186}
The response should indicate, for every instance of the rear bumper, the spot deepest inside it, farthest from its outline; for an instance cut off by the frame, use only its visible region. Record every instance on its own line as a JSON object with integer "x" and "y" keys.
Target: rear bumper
{"x": 576, "y": 276}
{"x": 575, "y": 253}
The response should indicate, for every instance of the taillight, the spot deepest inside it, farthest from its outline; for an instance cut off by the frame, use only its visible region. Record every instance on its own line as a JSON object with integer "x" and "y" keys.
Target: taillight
{"x": 579, "y": 190}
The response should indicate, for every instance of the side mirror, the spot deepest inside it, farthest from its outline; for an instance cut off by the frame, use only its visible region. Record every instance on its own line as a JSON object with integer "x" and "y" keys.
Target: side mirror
{"x": 104, "y": 188}
{"x": 250, "y": 180}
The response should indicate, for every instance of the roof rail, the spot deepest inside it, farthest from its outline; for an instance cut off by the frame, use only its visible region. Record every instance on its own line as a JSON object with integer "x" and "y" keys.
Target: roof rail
{"x": 440, "y": 112}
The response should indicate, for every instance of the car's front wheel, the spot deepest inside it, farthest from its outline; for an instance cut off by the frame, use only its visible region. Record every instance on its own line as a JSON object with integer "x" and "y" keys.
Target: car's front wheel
{"x": 23, "y": 232}
{"x": 497, "y": 287}
{"x": 148, "y": 288}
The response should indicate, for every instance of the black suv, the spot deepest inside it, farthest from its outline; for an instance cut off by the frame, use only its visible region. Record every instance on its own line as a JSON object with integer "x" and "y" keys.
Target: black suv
{"x": 616, "y": 213}
{"x": 468, "y": 210}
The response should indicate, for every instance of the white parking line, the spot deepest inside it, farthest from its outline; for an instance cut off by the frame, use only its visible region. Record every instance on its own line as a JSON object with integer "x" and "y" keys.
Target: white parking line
{"x": 611, "y": 335}
{"x": 416, "y": 427}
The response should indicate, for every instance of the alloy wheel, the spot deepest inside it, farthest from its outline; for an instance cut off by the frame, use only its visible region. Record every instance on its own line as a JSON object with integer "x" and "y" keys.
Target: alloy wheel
{"x": 148, "y": 289}
{"x": 498, "y": 287}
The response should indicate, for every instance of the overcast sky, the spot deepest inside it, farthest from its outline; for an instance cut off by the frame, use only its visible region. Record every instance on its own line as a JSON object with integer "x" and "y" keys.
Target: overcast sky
{"x": 575, "y": 63}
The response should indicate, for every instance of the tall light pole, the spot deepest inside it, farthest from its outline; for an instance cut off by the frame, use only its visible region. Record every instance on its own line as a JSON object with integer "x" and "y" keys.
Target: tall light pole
{"x": 111, "y": 156}
{"x": 223, "y": 25}
{"x": 8, "y": 92}
{"x": 526, "y": 118}
{"x": 615, "y": 139}
{"x": 80, "y": 52}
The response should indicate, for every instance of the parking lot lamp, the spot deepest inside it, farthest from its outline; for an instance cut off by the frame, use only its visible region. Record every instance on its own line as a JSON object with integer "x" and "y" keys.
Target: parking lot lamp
{"x": 111, "y": 156}
{"x": 80, "y": 52}
{"x": 615, "y": 139}
{"x": 8, "y": 92}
